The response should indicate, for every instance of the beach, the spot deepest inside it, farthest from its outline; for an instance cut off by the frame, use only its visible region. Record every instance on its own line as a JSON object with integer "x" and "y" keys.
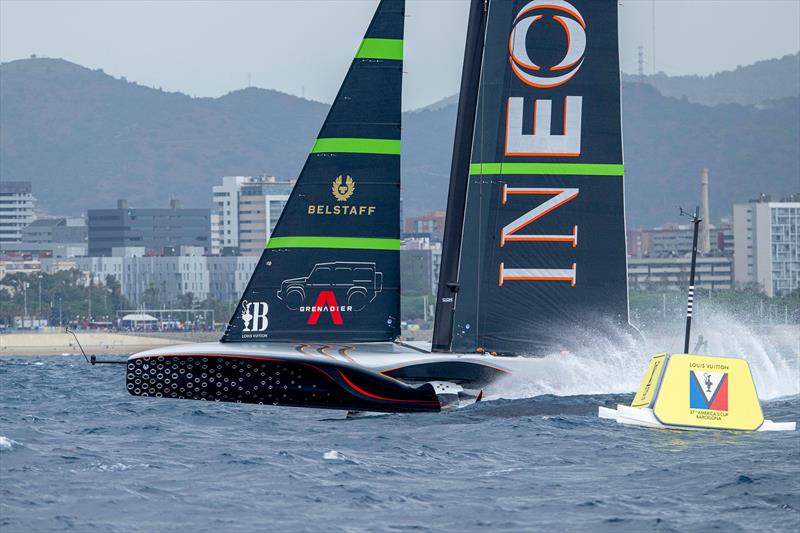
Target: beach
{"x": 94, "y": 343}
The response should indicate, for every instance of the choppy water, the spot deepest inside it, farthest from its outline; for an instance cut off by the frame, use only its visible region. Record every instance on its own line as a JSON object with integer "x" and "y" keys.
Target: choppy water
{"x": 77, "y": 453}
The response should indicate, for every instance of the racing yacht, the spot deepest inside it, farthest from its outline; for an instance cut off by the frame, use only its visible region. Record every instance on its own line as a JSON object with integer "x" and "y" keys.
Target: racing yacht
{"x": 534, "y": 242}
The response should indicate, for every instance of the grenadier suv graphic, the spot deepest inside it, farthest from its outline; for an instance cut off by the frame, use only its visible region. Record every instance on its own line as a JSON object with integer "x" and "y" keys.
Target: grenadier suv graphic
{"x": 355, "y": 283}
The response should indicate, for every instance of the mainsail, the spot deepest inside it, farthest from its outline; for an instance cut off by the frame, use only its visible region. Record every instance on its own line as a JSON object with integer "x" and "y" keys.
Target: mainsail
{"x": 330, "y": 270}
{"x": 539, "y": 253}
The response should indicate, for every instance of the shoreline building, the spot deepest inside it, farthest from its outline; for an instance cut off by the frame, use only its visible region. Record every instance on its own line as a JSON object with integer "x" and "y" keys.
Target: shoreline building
{"x": 59, "y": 238}
{"x": 248, "y": 208}
{"x": 155, "y": 229}
{"x": 420, "y": 261}
{"x": 16, "y": 210}
{"x": 675, "y": 240}
{"x": 767, "y": 244}
{"x": 431, "y": 223}
{"x": 187, "y": 270}
{"x": 672, "y": 273}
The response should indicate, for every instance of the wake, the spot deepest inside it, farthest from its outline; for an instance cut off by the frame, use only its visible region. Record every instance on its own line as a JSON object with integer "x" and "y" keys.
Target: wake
{"x": 615, "y": 364}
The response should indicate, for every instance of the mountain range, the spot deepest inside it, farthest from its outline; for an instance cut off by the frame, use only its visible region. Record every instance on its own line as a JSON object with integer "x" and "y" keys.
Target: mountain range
{"x": 86, "y": 139}
{"x": 770, "y": 79}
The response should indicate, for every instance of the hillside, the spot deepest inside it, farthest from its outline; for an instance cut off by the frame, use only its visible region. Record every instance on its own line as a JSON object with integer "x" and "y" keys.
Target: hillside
{"x": 85, "y": 139}
{"x": 762, "y": 81}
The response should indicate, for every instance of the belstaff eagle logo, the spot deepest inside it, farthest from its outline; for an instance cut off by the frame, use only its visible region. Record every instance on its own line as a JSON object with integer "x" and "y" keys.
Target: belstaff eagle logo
{"x": 343, "y": 189}
{"x": 521, "y": 63}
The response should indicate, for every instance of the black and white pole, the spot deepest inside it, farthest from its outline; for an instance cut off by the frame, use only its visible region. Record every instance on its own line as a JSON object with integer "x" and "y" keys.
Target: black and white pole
{"x": 696, "y": 221}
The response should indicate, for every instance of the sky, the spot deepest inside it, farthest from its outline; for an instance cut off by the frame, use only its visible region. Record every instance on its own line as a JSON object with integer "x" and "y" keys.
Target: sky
{"x": 304, "y": 47}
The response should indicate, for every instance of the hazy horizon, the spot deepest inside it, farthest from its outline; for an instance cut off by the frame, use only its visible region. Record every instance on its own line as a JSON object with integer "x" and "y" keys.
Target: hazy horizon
{"x": 210, "y": 48}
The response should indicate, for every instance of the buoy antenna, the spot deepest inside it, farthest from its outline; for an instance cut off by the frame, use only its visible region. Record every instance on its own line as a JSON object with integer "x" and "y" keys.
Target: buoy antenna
{"x": 690, "y": 303}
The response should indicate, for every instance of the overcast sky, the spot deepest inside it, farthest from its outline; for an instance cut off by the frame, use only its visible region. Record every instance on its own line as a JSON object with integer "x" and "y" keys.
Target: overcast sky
{"x": 304, "y": 47}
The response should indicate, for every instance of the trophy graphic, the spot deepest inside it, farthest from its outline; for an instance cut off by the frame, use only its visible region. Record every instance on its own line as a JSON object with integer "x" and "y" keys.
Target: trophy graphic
{"x": 708, "y": 383}
{"x": 246, "y": 316}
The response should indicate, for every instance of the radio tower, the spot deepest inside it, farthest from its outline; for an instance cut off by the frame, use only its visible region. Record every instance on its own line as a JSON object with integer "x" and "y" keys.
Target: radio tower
{"x": 641, "y": 63}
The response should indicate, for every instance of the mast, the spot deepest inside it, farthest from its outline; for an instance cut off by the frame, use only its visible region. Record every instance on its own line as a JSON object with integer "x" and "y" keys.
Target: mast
{"x": 459, "y": 177}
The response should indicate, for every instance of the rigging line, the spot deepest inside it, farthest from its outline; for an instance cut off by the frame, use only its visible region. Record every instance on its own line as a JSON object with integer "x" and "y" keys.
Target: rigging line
{"x": 482, "y": 111}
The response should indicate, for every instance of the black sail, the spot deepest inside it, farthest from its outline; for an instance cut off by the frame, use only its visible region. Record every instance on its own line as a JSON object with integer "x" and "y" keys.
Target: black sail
{"x": 330, "y": 270}
{"x": 543, "y": 252}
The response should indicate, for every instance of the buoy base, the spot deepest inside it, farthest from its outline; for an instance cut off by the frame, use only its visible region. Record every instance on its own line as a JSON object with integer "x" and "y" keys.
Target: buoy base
{"x": 644, "y": 417}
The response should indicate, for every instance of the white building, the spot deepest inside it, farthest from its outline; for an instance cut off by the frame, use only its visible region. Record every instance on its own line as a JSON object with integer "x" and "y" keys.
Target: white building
{"x": 767, "y": 245}
{"x": 222, "y": 278}
{"x": 226, "y": 201}
{"x": 228, "y": 276}
{"x": 16, "y": 210}
{"x": 248, "y": 209}
{"x": 672, "y": 273}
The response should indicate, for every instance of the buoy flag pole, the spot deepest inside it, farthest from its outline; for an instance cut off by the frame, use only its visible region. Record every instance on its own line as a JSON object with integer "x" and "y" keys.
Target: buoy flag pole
{"x": 696, "y": 221}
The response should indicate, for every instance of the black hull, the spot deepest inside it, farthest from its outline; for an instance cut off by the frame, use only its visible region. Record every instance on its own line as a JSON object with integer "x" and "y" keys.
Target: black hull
{"x": 275, "y": 381}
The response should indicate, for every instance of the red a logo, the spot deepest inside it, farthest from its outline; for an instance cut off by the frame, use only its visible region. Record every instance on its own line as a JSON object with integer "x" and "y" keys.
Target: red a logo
{"x": 326, "y": 301}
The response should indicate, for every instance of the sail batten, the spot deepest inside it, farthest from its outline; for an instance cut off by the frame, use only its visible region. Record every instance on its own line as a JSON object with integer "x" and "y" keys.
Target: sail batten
{"x": 578, "y": 169}
{"x": 352, "y": 243}
{"x": 356, "y": 146}
{"x": 380, "y": 49}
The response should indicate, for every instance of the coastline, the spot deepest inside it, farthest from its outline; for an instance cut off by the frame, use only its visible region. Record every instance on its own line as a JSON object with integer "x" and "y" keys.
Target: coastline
{"x": 94, "y": 343}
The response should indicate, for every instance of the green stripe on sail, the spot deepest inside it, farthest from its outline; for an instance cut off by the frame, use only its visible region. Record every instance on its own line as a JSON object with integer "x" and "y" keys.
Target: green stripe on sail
{"x": 380, "y": 49}
{"x": 356, "y": 243}
{"x": 357, "y": 146}
{"x": 577, "y": 169}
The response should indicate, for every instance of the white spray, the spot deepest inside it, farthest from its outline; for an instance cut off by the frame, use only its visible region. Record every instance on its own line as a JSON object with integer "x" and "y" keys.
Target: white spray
{"x": 615, "y": 365}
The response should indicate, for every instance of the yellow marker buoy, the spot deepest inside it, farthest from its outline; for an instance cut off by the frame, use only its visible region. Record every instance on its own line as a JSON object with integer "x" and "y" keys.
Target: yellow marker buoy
{"x": 685, "y": 391}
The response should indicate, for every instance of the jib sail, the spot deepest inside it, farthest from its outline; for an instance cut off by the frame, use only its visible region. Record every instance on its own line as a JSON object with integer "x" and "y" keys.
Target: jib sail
{"x": 330, "y": 271}
{"x": 543, "y": 247}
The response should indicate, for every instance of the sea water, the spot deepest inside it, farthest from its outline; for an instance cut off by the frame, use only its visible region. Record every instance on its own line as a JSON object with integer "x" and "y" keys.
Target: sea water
{"x": 77, "y": 453}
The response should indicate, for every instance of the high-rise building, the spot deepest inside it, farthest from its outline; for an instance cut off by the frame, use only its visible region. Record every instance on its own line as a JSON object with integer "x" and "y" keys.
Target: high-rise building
{"x": 154, "y": 229}
{"x": 248, "y": 209}
{"x": 767, "y": 245}
{"x": 226, "y": 202}
{"x": 217, "y": 233}
{"x": 16, "y": 210}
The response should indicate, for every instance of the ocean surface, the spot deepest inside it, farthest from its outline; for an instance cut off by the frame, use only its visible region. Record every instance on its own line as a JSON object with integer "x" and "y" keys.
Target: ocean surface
{"x": 77, "y": 453}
